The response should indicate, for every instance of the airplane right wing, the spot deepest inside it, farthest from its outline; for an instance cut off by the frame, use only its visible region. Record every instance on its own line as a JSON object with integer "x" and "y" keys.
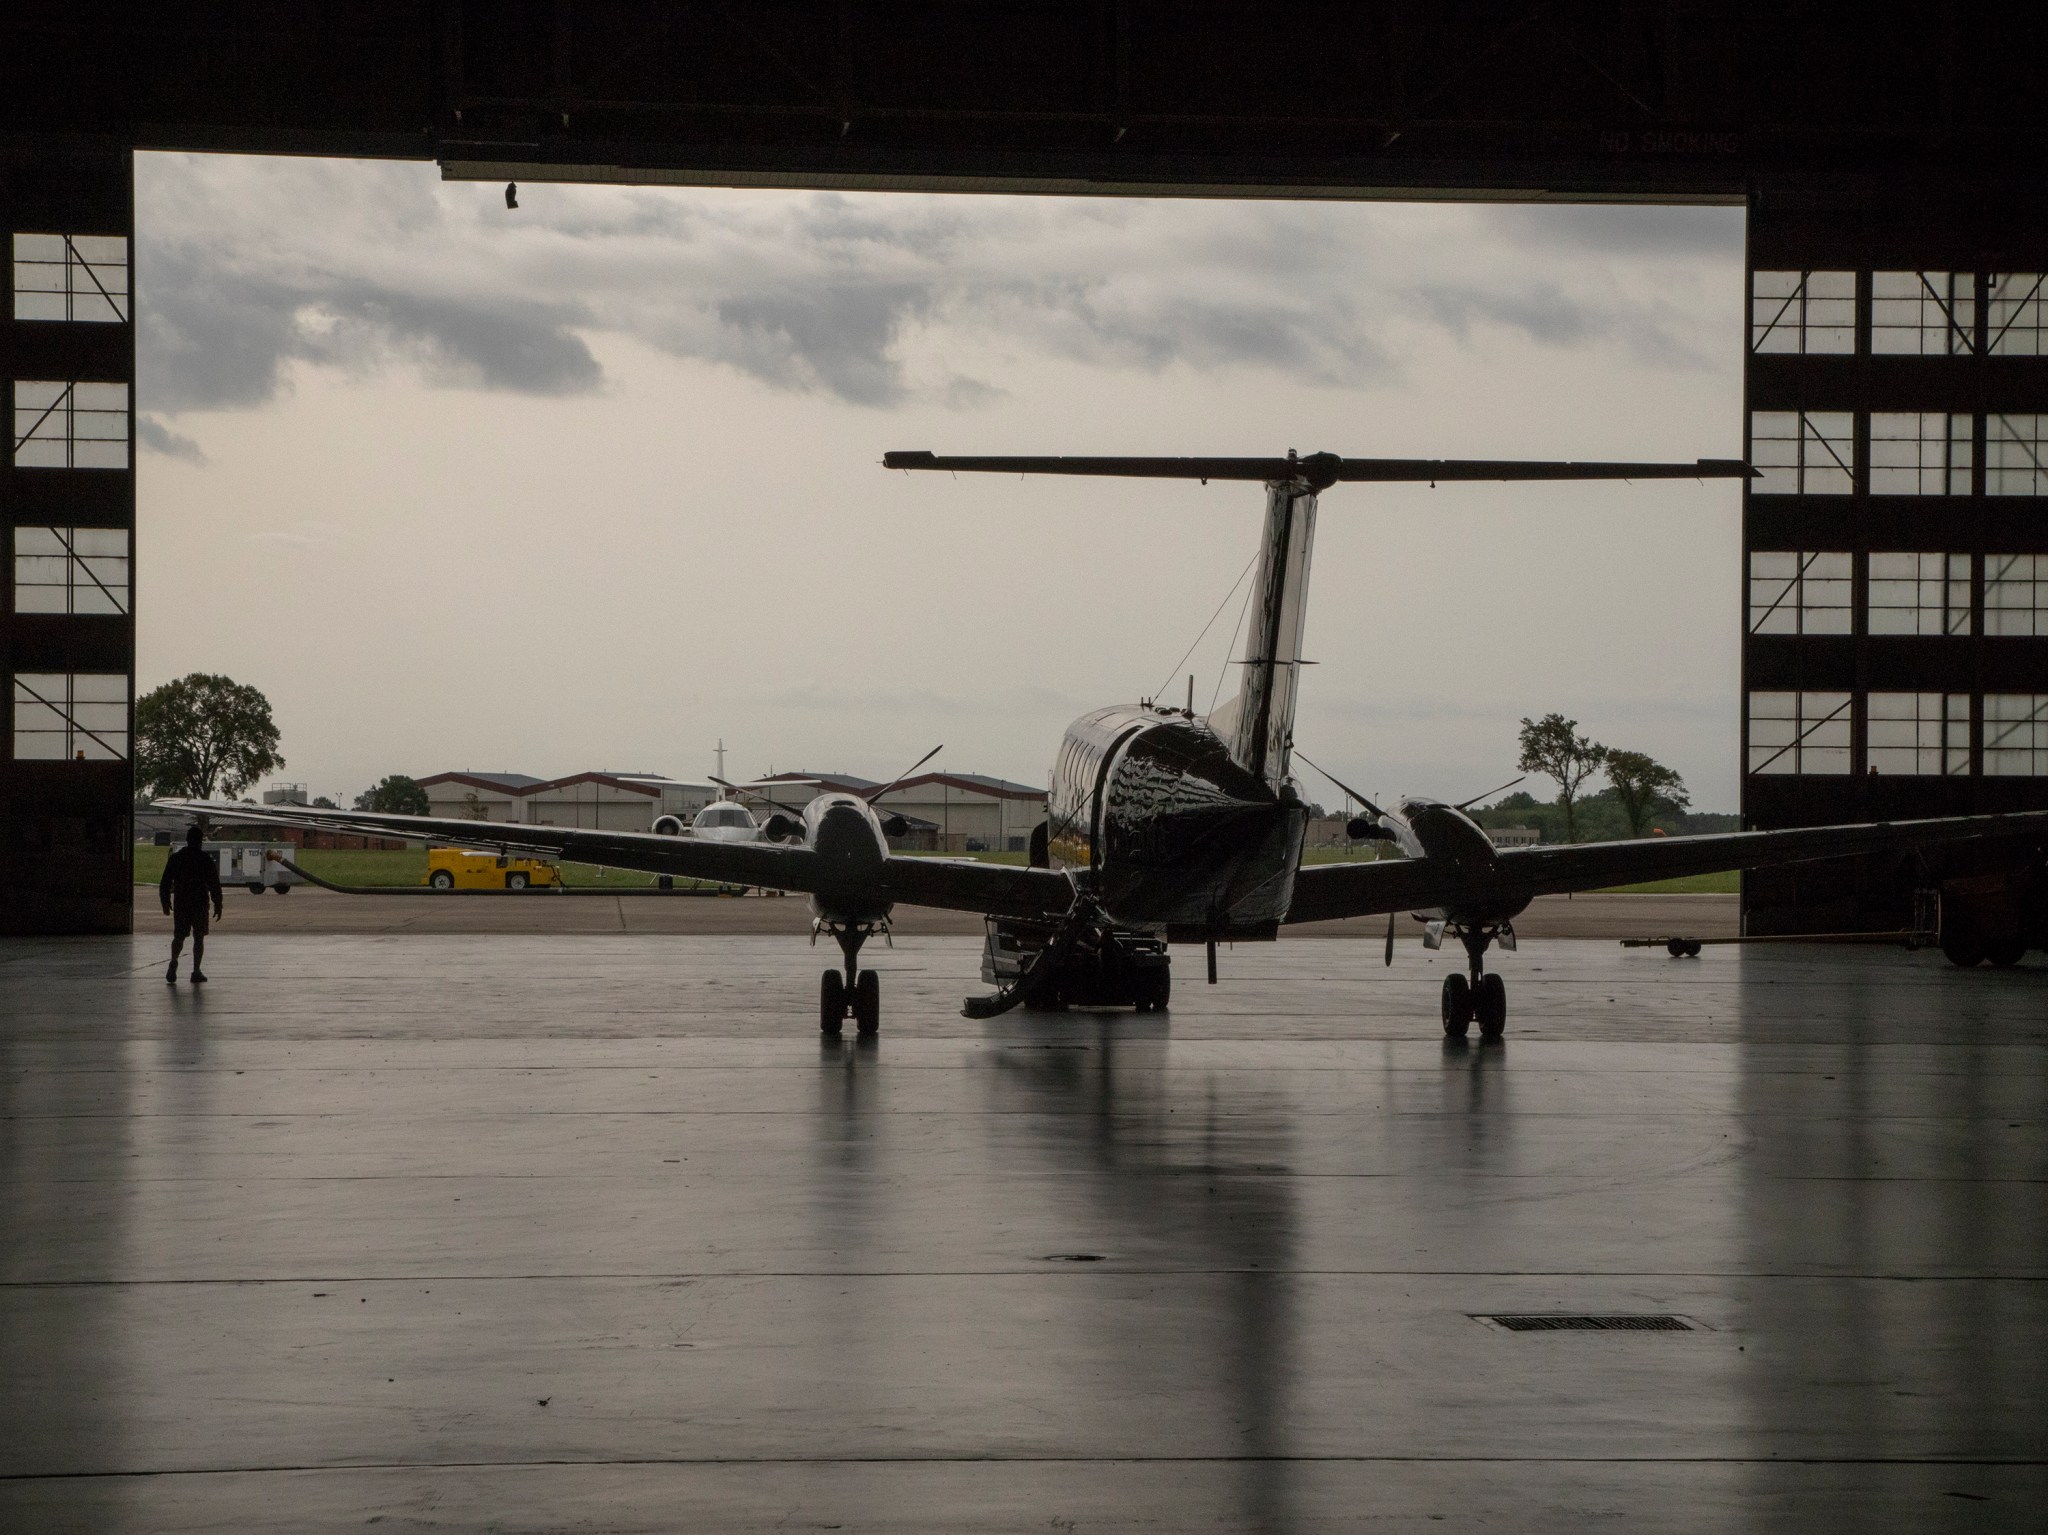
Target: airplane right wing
{"x": 1325, "y": 891}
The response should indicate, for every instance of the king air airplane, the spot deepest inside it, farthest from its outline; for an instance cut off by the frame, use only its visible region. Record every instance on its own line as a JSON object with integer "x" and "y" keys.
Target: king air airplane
{"x": 1167, "y": 827}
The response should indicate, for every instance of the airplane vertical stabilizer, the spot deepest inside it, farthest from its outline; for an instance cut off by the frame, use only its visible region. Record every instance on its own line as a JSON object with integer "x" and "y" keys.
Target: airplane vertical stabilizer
{"x": 1259, "y": 722}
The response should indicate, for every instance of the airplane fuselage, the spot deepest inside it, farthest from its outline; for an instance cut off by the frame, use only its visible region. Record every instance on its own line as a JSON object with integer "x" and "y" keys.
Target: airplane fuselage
{"x": 1166, "y": 831}
{"x": 846, "y": 834}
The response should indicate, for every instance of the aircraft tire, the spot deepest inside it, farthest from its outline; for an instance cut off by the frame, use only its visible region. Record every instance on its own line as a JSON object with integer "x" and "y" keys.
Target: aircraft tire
{"x": 831, "y": 1002}
{"x": 1457, "y": 1006}
{"x": 2006, "y": 952}
{"x": 1962, "y": 949}
{"x": 867, "y": 1002}
{"x": 1490, "y": 1002}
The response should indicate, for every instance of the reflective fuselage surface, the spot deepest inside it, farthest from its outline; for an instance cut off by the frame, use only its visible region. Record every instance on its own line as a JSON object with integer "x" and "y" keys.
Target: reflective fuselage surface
{"x": 1166, "y": 831}
{"x": 846, "y": 834}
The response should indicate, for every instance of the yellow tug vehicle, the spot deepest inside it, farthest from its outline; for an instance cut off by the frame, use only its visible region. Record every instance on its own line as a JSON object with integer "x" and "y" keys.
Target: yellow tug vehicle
{"x": 454, "y": 868}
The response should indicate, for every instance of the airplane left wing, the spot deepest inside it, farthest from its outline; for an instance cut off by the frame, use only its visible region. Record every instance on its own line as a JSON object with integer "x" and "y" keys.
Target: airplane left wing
{"x": 958, "y": 884}
{"x": 1325, "y": 891}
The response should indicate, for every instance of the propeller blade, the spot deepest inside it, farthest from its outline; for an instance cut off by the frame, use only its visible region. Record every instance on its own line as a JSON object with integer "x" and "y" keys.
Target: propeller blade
{"x": 874, "y": 794}
{"x": 1319, "y": 470}
{"x": 1390, "y": 938}
{"x": 1370, "y": 807}
{"x": 1489, "y": 794}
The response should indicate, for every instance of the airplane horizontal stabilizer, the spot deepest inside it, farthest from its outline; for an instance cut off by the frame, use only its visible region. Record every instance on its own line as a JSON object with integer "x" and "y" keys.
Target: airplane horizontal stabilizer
{"x": 1320, "y": 470}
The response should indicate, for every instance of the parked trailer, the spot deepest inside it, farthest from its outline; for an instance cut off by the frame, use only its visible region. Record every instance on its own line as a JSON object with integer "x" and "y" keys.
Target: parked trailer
{"x": 256, "y": 866}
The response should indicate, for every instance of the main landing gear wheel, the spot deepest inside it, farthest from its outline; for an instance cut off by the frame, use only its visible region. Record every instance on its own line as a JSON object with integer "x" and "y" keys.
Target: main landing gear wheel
{"x": 2006, "y": 952}
{"x": 1457, "y": 1006}
{"x": 1490, "y": 1002}
{"x": 867, "y": 1002}
{"x": 831, "y": 1001}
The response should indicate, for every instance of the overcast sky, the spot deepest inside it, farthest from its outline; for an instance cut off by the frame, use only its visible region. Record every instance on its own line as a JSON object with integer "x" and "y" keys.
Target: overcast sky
{"x": 595, "y": 482}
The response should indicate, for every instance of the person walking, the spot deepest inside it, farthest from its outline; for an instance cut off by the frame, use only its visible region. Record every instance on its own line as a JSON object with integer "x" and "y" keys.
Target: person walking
{"x": 191, "y": 879}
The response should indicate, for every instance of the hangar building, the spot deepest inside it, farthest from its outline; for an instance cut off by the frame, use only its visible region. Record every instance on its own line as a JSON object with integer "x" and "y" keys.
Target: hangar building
{"x": 593, "y": 801}
{"x": 1894, "y": 660}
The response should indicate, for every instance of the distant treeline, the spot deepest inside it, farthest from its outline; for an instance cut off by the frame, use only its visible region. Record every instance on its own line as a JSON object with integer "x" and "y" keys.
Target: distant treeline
{"x": 1600, "y": 818}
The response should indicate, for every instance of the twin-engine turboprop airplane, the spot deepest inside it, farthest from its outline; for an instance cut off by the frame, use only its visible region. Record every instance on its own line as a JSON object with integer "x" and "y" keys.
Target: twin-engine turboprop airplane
{"x": 1166, "y": 827}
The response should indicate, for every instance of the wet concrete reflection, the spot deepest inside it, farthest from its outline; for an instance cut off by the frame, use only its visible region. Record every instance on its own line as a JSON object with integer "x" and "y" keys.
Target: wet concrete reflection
{"x": 1895, "y": 1237}
{"x": 1187, "y": 1171}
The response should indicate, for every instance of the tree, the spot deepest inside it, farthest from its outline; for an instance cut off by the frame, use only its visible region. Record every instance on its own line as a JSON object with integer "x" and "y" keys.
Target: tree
{"x": 1553, "y": 746}
{"x": 1642, "y": 784}
{"x": 203, "y": 737}
{"x": 322, "y": 802}
{"x": 396, "y": 795}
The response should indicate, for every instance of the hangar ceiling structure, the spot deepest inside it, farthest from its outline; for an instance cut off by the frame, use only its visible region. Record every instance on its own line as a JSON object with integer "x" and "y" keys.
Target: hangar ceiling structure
{"x": 1896, "y": 592}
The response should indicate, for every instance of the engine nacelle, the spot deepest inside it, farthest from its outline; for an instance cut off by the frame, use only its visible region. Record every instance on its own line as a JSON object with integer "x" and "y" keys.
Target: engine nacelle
{"x": 669, "y": 826}
{"x": 1364, "y": 829}
{"x": 780, "y": 828}
{"x": 894, "y": 826}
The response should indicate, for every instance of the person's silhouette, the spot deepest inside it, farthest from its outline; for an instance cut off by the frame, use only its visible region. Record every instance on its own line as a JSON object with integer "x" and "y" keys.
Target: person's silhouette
{"x": 191, "y": 880}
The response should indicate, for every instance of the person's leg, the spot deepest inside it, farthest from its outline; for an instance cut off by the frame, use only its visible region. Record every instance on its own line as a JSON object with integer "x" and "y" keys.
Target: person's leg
{"x": 198, "y": 954}
{"x": 177, "y": 945}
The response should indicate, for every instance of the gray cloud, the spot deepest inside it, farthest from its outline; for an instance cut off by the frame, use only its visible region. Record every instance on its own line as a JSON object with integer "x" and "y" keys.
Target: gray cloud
{"x": 246, "y": 267}
{"x": 158, "y": 438}
{"x": 211, "y": 336}
{"x": 1624, "y": 229}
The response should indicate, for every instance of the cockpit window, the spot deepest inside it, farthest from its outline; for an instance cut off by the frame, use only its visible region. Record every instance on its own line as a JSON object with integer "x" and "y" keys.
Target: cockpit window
{"x": 724, "y": 815}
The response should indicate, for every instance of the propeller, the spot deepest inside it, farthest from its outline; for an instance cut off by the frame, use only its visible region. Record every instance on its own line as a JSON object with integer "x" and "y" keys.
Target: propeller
{"x": 871, "y": 795}
{"x": 1370, "y": 808}
{"x": 1390, "y": 938}
{"x": 1475, "y": 799}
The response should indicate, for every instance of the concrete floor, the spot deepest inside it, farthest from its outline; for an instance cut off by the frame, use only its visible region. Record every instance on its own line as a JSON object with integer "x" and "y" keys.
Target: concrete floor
{"x": 592, "y": 1233}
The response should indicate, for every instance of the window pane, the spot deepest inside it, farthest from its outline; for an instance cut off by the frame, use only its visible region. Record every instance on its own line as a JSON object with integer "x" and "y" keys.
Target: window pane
{"x": 1920, "y": 453}
{"x": 71, "y": 277}
{"x": 1802, "y": 312}
{"x": 1802, "y": 452}
{"x": 2016, "y": 594}
{"x": 1919, "y": 593}
{"x": 66, "y": 716}
{"x": 2016, "y": 734}
{"x": 72, "y": 570}
{"x": 1930, "y": 313}
{"x": 70, "y": 425}
{"x": 2014, "y": 315}
{"x": 1802, "y": 593}
{"x": 1799, "y": 732}
{"x": 2013, "y": 450}
{"x": 1927, "y": 734}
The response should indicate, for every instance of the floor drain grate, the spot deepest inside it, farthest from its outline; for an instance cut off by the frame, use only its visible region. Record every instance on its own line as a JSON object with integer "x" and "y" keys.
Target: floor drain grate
{"x": 1559, "y": 1322}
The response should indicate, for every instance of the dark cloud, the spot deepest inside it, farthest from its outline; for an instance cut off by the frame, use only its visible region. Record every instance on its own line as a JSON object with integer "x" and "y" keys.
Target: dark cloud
{"x": 246, "y": 267}
{"x": 212, "y": 337}
{"x": 158, "y": 438}
{"x": 834, "y": 338}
